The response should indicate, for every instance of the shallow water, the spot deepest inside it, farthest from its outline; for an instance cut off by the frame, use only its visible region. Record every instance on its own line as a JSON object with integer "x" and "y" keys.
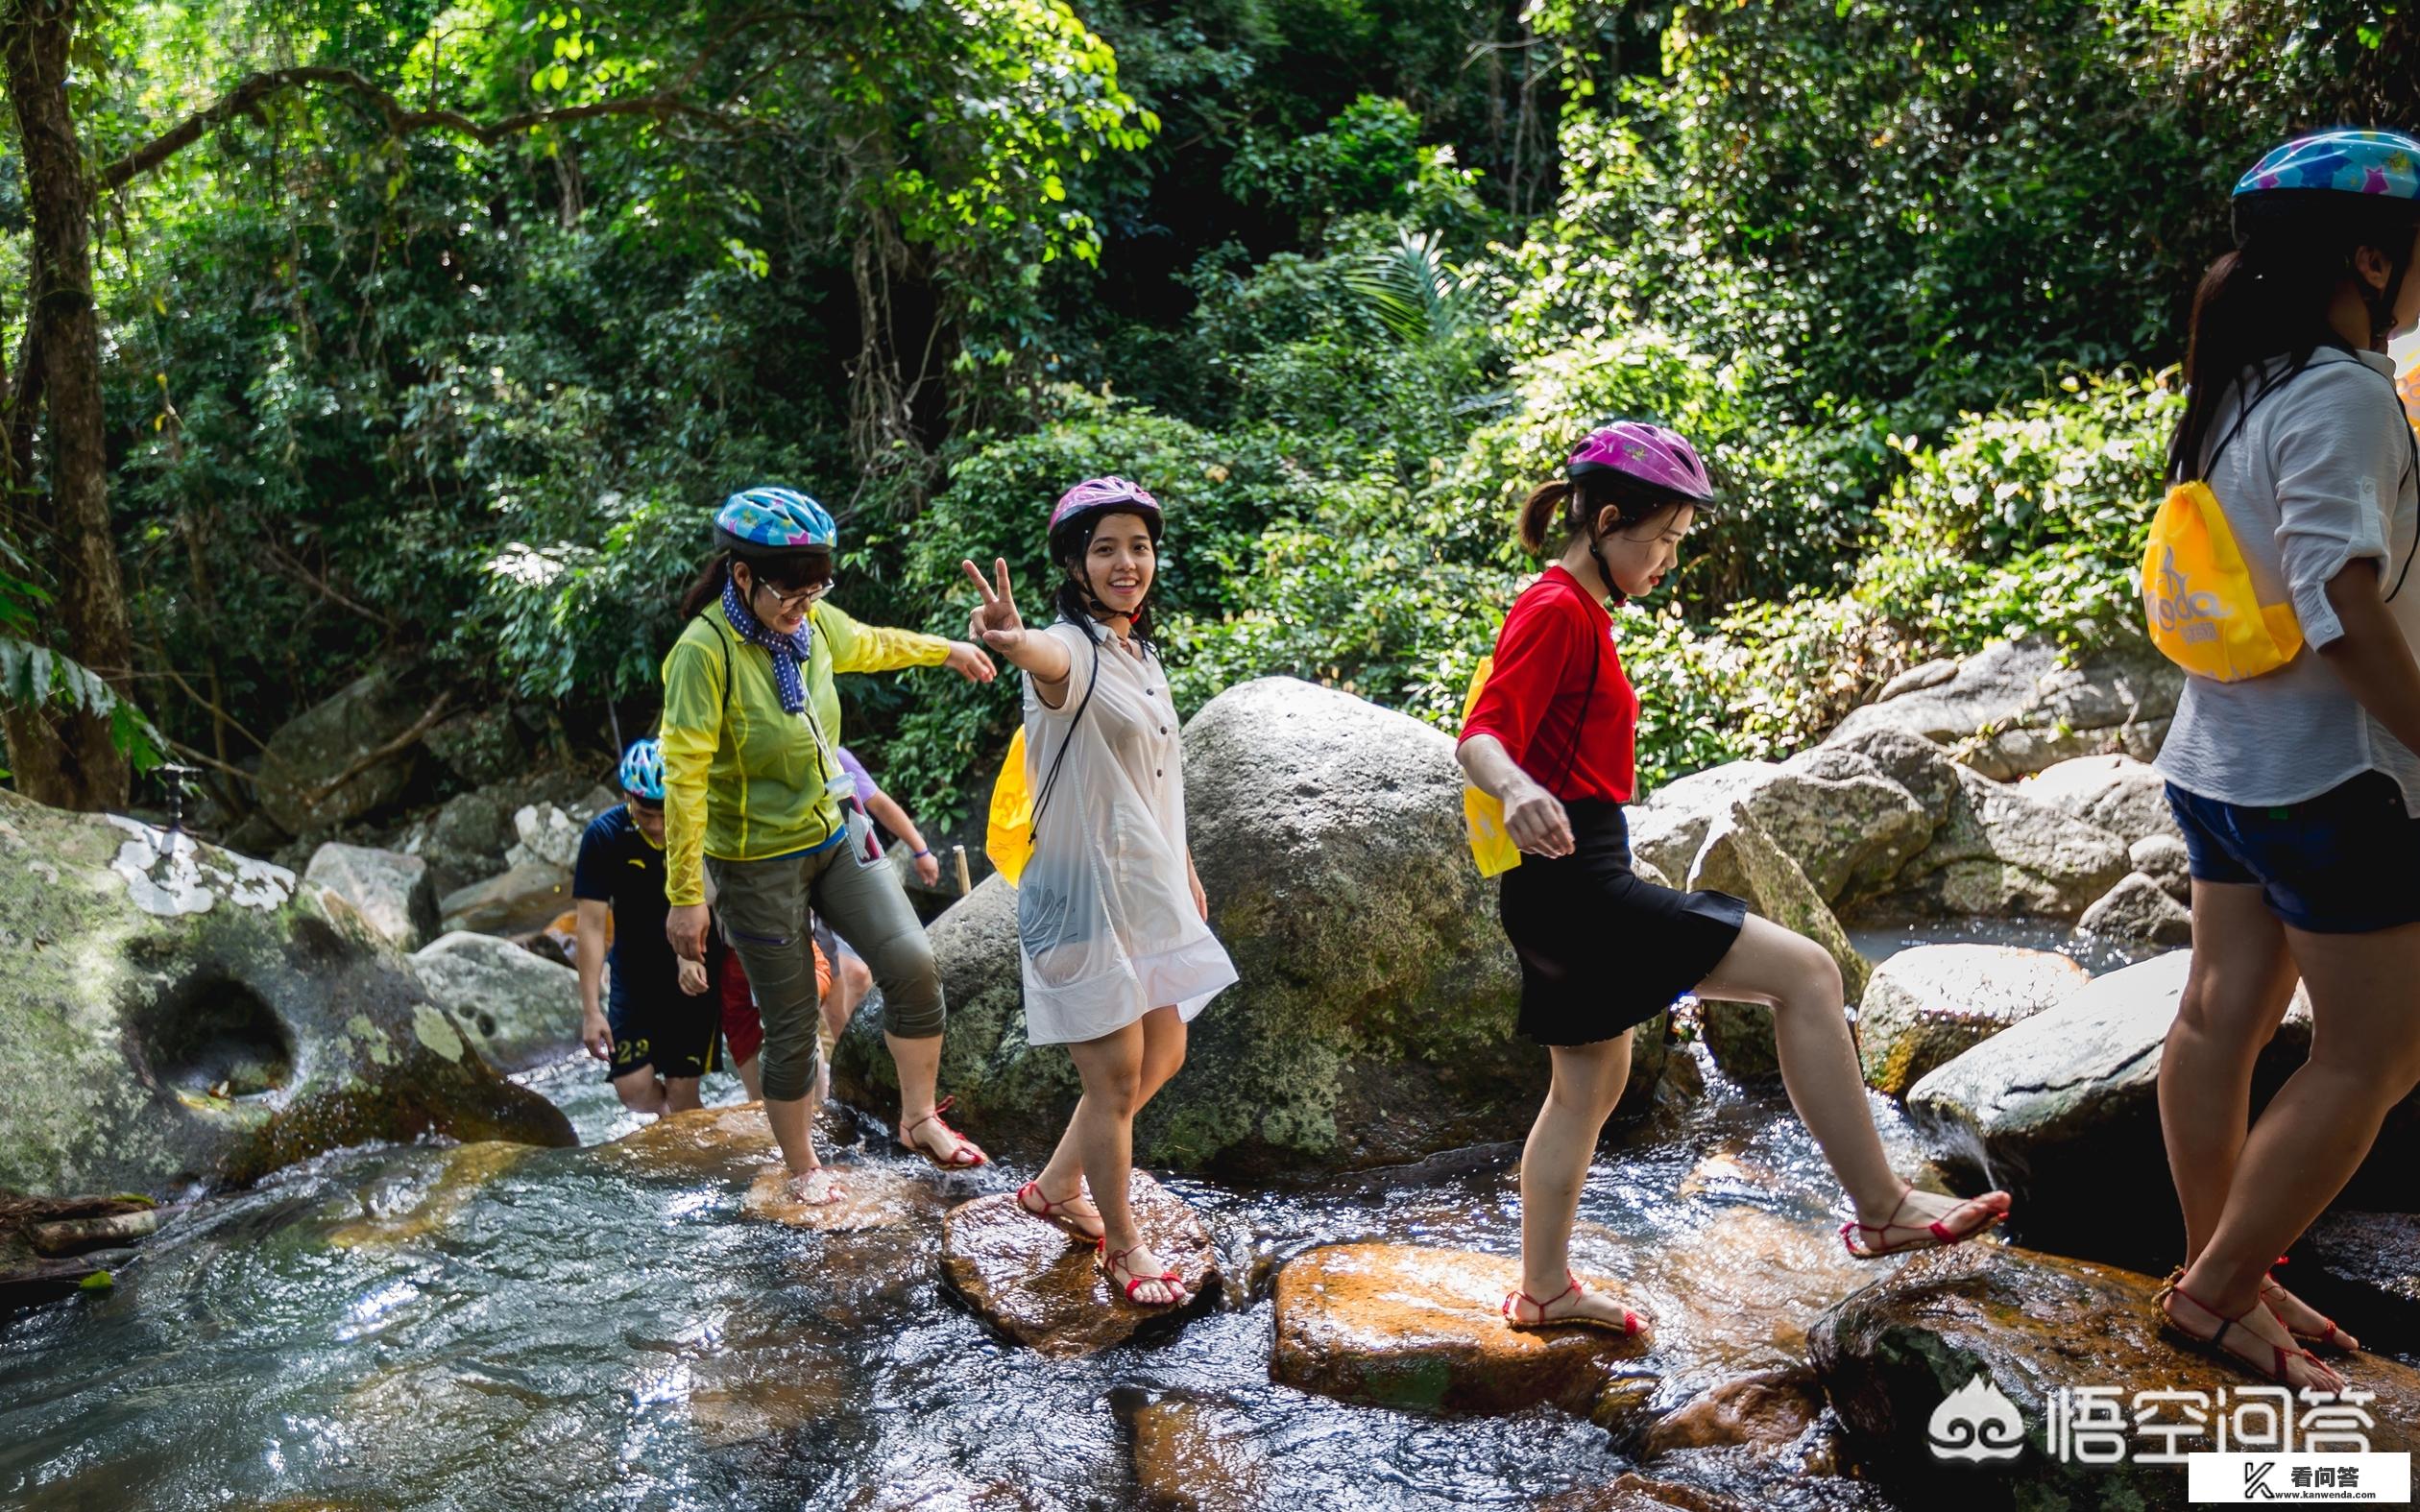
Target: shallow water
{"x": 494, "y": 1328}
{"x": 501, "y": 1328}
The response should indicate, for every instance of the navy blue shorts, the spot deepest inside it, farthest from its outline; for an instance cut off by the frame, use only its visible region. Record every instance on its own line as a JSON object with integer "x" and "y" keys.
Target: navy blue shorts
{"x": 662, "y": 1028}
{"x": 2345, "y": 862}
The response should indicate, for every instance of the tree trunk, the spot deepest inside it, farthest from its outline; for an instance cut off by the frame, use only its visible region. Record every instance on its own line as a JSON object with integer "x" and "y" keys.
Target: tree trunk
{"x": 65, "y": 756}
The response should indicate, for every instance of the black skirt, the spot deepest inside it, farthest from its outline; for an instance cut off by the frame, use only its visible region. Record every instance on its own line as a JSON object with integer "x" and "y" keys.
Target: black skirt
{"x": 1601, "y": 950}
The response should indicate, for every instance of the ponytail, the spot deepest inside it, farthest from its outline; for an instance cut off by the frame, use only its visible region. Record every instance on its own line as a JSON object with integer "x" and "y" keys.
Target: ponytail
{"x": 2269, "y": 299}
{"x": 1544, "y": 506}
{"x": 707, "y": 588}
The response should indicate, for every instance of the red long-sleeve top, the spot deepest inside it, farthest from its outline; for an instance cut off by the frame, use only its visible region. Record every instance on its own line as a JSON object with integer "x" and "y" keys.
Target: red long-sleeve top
{"x": 1533, "y": 703}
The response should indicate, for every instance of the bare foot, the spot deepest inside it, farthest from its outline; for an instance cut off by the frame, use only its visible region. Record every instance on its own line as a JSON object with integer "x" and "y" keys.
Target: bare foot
{"x": 1909, "y": 1225}
{"x": 1075, "y": 1213}
{"x": 1576, "y": 1305}
{"x": 816, "y": 1188}
{"x": 2302, "y": 1320}
{"x": 1140, "y": 1278}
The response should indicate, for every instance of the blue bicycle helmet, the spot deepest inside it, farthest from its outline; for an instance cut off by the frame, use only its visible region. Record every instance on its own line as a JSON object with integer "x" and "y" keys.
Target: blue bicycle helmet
{"x": 643, "y": 770}
{"x": 760, "y": 521}
{"x": 2380, "y": 163}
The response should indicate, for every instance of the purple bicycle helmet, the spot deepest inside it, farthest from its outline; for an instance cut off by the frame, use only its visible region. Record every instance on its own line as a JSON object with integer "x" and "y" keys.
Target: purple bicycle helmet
{"x": 1102, "y": 495}
{"x": 1648, "y": 453}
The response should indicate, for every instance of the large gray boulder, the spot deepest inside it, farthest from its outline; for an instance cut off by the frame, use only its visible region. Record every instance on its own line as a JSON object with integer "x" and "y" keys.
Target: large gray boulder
{"x": 1374, "y": 1019}
{"x": 2139, "y": 911}
{"x": 1928, "y": 1005}
{"x": 389, "y": 890}
{"x": 331, "y": 765}
{"x": 2116, "y": 793}
{"x": 1998, "y": 853}
{"x": 1847, "y": 825}
{"x": 1739, "y": 858}
{"x": 175, "y": 1013}
{"x": 518, "y": 1008}
{"x": 2062, "y": 1111}
{"x": 467, "y": 838}
{"x": 2015, "y": 707}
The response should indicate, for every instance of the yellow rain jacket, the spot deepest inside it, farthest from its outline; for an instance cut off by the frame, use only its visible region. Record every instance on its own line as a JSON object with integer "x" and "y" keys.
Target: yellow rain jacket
{"x": 742, "y": 780}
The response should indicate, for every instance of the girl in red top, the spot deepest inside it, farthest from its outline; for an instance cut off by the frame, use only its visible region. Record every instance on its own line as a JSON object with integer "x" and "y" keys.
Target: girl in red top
{"x": 1603, "y": 951}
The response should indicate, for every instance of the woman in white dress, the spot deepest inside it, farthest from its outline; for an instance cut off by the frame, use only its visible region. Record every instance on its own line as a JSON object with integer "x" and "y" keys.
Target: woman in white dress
{"x": 1111, "y": 920}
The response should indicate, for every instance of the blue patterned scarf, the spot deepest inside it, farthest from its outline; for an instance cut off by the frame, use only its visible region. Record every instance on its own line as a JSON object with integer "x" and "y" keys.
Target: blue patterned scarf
{"x": 789, "y": 653}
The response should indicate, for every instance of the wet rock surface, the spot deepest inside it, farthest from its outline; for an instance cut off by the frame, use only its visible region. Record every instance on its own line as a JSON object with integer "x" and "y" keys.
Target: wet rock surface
{"x": 2362, "y": 1269}
{"x": 1039, "y": 1286}
{"x": 1423, "y": 1329}
{"x": 1769, "y": 1412}
{"x": 2026, "y": 1325}
{"x": 175, "y": 1013}
{"x": 1196, "y": 1456}
{"x": 1927, "y": 1005}
{"x": 872, "y": 1196}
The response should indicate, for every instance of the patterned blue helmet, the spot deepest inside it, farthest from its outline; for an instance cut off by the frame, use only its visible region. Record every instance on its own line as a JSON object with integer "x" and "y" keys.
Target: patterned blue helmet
{"x": 2382, "y": 163}
{"x": 643, "y": 770}
{"x": 761, "y": 520}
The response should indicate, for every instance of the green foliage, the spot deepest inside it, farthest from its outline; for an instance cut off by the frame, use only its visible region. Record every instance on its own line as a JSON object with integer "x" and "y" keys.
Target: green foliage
{"x": 2029, "y": 518}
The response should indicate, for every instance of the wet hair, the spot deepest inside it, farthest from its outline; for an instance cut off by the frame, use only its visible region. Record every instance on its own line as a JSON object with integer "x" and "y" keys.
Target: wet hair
{"x": 2269, "y": 299}
{"x": 1556, "y": 512}
{"x": 784, "y": 571}
{"x": 1071, "y": 547}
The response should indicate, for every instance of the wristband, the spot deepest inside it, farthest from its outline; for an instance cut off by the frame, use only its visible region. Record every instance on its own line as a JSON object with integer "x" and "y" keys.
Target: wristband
{"x": 921, "y": 855}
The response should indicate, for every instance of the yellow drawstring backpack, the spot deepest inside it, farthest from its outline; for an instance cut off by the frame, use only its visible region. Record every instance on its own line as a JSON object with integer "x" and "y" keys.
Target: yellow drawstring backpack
{"x": 2202, "y": 610}
{"x": 1482, "y": 813}
{"x": 1015, "y": 814}
{"x": 2199, "y": 598}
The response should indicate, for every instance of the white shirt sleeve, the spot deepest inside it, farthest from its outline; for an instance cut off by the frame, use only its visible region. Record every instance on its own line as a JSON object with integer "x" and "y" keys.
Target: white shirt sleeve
{"x": 1080, "y": 652}
{"x": 2339, "y": 452}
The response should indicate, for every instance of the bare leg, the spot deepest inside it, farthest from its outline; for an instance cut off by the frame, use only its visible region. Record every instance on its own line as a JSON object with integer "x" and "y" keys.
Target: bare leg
{"x": 2240, "y": 981}
{"x": 1587, "y": 1082}
{"x": 1111, "y": 1068}
{"x": 1800, "y": 982}
{"x": 2364, "y": 1059}
{"x": 680, "y": 1093}
{"x": 746, "y": 1072}
{"x": 794, "y": 1123}
{"x": 640, "y": 1091}
{"x": 1163, "y": 1053}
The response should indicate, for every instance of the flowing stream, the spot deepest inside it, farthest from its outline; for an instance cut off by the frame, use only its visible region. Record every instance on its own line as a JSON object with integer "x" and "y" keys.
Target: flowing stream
{"x": 490, "y": 1327}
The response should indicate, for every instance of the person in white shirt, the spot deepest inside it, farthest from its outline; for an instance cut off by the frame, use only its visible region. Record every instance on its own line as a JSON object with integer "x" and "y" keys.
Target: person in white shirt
{"x": 1112, "y": 924}
{"x": 2296, "y": 789}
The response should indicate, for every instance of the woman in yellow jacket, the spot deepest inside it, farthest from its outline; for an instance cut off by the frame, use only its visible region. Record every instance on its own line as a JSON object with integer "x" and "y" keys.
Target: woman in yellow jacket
{"x": 754, "y": 795}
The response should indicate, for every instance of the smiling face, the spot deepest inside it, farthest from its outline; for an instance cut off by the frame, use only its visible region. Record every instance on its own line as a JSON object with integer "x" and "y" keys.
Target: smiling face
{"x": 780, "y": 606}
{"x": 1119, "y": 562}
{"x": 1641, "y": 557}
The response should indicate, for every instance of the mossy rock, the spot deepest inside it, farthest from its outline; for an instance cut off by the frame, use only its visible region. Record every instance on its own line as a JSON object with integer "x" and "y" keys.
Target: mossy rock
{"x": 178, "y": 1015}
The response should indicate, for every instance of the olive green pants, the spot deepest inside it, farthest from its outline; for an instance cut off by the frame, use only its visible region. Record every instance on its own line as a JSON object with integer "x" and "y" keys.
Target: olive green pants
{"x": 763, "y": 907}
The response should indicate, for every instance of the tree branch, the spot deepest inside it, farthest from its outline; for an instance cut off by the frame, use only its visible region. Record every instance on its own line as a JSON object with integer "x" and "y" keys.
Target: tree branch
{"x": 394, "y": 746}
{"x": 246, "y": 97}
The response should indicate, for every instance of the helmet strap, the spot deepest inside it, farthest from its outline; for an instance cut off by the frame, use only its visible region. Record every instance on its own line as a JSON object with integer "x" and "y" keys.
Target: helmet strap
{"x": 1591, "y": 515}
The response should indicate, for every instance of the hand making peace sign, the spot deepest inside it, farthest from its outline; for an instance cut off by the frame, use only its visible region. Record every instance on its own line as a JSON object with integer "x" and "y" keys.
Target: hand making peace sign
{"x": 997, "y": 624}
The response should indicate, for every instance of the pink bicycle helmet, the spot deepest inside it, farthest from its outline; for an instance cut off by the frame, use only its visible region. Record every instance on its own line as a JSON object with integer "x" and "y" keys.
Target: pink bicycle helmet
{"x": 1105, "y": 494}
{"x": 1648, "y": 453}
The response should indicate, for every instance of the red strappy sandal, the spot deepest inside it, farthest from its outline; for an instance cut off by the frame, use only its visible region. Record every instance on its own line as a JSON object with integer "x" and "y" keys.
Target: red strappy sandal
{"x": 1942, "y": 1235}
{"x": 965, "y": 1146}
{"x": 1053, "y": 1213}
{"x": 2215, "y": 1343}
{"x": 2331, "y": 1337}
{"x": 1629, "y": 1325}
{"x": 1111, "y": 1262}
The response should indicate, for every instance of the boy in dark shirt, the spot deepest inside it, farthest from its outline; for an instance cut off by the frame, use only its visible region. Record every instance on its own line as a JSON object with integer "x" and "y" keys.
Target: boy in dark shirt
{"x": 656, "y": 1033}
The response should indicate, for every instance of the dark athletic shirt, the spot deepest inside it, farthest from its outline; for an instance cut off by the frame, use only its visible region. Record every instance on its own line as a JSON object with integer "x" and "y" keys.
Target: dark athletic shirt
{"x": 618, "y": 866}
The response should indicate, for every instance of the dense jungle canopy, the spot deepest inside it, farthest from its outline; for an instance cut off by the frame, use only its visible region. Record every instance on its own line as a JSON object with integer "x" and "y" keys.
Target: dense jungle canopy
{"x": 428, "y": 335}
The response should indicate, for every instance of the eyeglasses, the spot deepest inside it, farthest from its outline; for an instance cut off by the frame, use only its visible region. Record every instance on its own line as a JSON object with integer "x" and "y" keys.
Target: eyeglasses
{"x": 802, "y": 599}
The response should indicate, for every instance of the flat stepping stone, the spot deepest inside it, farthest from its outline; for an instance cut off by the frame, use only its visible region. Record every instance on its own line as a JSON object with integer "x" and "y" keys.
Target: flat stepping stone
{"x": 729, "y": 1141}
{"x": 1928, "y": 1005}
{"x": 871, "y": 1197}
{"x": 1034, "y": 1283}
{"x": 1408, "y": 1326}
